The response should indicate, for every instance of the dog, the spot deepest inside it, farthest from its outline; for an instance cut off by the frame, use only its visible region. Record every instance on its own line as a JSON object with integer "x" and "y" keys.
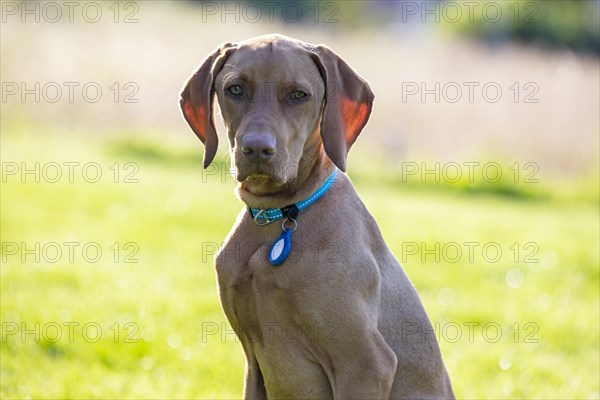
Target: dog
{"x": 322, "y": 308}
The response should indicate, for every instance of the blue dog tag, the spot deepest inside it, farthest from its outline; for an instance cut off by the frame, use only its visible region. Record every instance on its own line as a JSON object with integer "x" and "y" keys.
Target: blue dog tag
{"x": 280, "y": 249}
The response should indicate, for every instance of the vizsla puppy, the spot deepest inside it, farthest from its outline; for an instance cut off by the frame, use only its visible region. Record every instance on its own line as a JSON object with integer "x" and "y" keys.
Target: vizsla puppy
{"x": 321, "y": 306}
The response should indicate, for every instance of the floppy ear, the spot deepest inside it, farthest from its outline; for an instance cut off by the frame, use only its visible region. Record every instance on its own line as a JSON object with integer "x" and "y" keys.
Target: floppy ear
{"x": 196, "y": 99}
{"x": 348, "y": 103}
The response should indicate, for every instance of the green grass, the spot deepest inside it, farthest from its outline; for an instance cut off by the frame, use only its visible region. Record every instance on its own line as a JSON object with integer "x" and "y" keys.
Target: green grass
{"x": 161, "y": 305}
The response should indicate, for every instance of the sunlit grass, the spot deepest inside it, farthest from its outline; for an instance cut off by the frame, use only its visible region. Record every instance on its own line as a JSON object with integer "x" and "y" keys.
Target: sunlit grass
{"x": 153, "y": 294}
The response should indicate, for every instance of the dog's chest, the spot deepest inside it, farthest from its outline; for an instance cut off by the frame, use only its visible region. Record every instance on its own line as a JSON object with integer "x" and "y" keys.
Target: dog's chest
{"x": 242, "y": 262}
{"x": 248, "y": 282}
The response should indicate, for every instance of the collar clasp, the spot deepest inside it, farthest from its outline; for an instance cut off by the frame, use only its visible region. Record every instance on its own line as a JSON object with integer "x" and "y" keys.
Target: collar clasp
{"x": 261, "y": 218}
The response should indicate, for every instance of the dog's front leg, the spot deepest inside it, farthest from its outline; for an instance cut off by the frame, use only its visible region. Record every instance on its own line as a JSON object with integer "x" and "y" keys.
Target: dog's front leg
{"x": 365, "y": 370}
{"x": 254, "y": 385}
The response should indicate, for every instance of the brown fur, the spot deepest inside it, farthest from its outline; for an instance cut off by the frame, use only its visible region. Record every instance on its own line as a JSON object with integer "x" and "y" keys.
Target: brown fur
{"x": 339, "y": 318}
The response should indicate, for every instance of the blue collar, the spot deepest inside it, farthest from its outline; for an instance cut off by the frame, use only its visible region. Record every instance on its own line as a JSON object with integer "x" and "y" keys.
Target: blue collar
{"x": 266, "y": 216}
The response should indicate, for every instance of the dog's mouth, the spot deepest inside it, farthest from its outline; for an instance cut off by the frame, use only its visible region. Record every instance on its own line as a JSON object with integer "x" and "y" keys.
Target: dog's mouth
{"x": 260, "y": 178}
{"x": 261, "y": 185}
{"x": 259, "y": 182}
{"x": 254, "y": 175}
{"x": 258, "y": 173}
{"x": 263, "y": 178}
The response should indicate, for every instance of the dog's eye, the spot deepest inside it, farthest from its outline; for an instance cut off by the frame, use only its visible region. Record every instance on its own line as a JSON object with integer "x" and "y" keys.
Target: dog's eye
{"x": 235, "y": 90}
{"x": 297, "y": 95}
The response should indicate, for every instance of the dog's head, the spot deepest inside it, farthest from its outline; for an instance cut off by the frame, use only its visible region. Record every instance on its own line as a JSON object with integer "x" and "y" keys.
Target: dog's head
{"x": 281, "y": 100}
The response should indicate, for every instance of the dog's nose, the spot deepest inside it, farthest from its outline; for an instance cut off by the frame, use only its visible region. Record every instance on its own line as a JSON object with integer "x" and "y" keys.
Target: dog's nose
{"x": 261, "y": 146}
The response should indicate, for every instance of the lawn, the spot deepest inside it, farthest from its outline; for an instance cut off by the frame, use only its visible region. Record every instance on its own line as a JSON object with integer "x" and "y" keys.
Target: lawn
{"x": 108, "y": 287}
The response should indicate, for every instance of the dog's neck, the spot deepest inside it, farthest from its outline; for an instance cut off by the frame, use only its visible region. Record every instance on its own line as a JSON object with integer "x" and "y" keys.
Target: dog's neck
{"x": 313, "y": 170}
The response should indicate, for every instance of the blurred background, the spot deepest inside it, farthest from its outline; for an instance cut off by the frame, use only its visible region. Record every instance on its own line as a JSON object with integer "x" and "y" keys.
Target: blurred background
{"x": 480, "y": 162}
